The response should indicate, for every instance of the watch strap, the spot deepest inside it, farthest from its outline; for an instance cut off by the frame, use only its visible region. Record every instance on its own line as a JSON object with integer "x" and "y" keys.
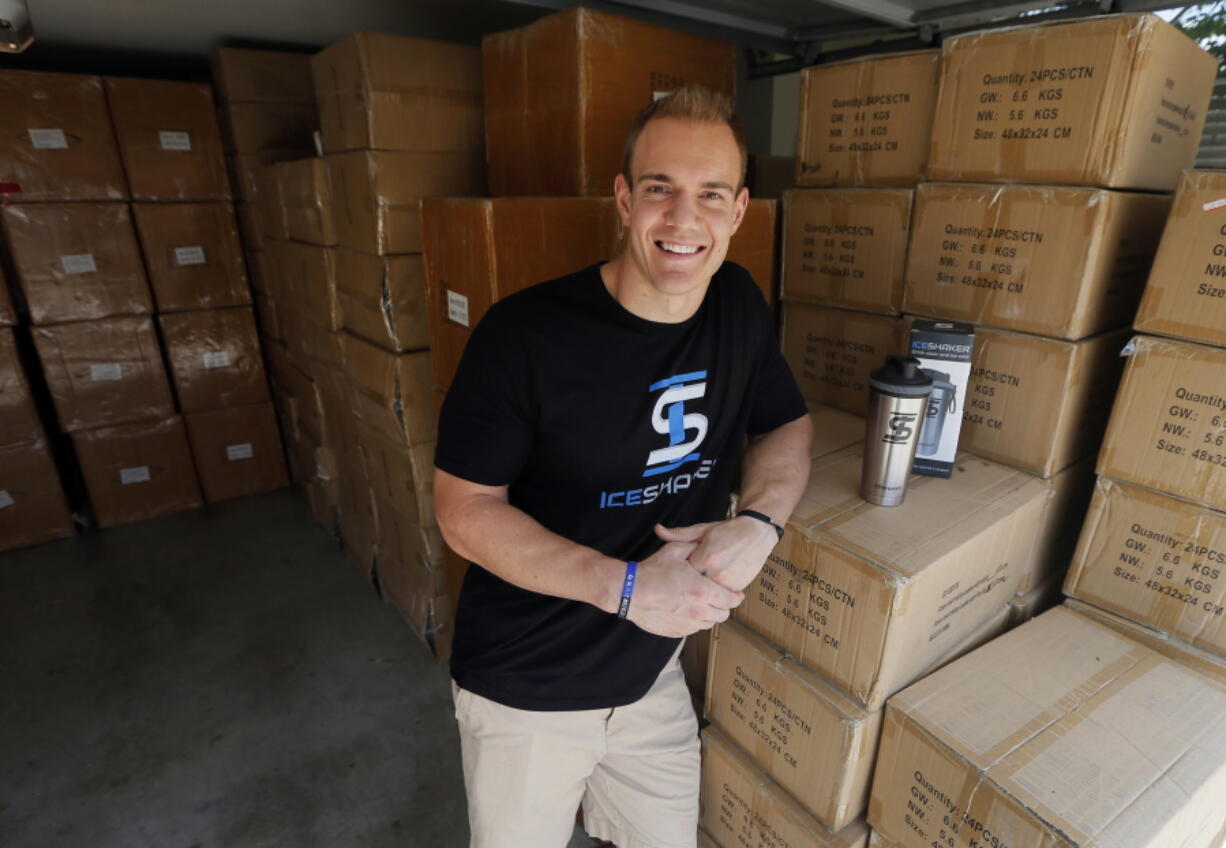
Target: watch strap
{"x": 762, "y": 516}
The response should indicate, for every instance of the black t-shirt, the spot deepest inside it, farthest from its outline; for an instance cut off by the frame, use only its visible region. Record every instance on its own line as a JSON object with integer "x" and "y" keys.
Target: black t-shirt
{"x": 601, "y": 423}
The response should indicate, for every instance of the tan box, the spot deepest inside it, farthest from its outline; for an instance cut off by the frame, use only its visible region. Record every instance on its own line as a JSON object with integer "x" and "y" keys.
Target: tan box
{"x": 18, "y": 419}
{"x": 833, "y": 430}
{"x": 1186, "y": 292}
{"x": 77, "y": 261}
{"x": 266, "y": 318}
{"x": 193, "y": 255}
{"x": 358, "y": 519}
{"x": 867, "y": 121}
{"x": 383, "y": 299}
{"x": 391, "y": 393}
{"x": 1155, "y": 559}
{"x": 410, "y": 568}
{"x": 249, "y": 127}
{"x": 1116, "y": 101}
{"x": 137, "y": 471}
{"x": 1060, "y": 732}
{"x": 833, "y": 351}
{"x": 104, "y": 372}
{"x": 846, "y": 247}
{"x": 562, "y": 93}
{"x": 705, "y": 841}
{"x": 262, "y": 76}
{"x": 245, "y": 169}
{"x": 311, "y": 346}
{"x": 1072, "y": 489}
{"x": 308, "y": 201}
{"x": 251, "y": 227}
{"x": 34, "y": 509}
{"x": 388, "y": 92}
{"x": 1168, "y": 426}
{"x": 1063, "y": 262}
{"x": 755, "y": 247}
{"x": 215, "y": 358}
{"x": 306, "y": 278}
{"x": 1035, "y": 601}
{"x": 377, "y": 194}
{"x": 168, "y": 138}
{"x": 400, "y": 475}
{"x": 270, "y": 208}
{"x": 237, "y": 451}
{"x": 741, "y": 805}
{"x": 59, "y": 141}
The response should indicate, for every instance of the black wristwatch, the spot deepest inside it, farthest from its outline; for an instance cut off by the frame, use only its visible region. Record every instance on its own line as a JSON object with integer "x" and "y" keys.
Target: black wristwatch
{"x": 762, "y": 516}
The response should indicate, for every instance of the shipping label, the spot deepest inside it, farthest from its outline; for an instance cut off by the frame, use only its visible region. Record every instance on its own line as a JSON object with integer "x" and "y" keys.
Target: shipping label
{"x": 870, "y": 123}
{"x": 102, "y": 372}
{"x": 1194, "y": 426}
{"x": 136, "y": 474}
{"x": 215, "y": 359}
{"x": 48, "y": 139}
{"x": 831, "y": 250}
{"x": 988, "y": 397}
{"x": 1036, "y": 104}
{"x": 177, "y": 141}
{"x": 193, "y": 255}
{"x": 79, "y": 263}
{"x": 237, "y": 452}
{"x": 1213, "y": 283}
{"x": 817, "y": 605}
{"x": 6, "y": 500}
{"x": 993, "y": 259}
{"x": 935, "y": 816}
{"x": 457, "y": 308}
{"x": 764, "y": 714}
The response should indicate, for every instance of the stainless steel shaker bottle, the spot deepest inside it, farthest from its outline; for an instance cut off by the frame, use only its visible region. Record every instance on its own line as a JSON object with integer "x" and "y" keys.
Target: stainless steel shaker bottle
{"x": 940, "y": 404}
{"x": 898, "y": 399}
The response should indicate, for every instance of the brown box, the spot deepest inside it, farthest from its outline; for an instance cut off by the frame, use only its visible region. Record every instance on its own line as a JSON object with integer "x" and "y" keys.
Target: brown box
{"x": 249, "y": 127}
{"x": 400, "y": 475}
{"x": 308, "y": 201}
{"x": 270, "y": 208}
{"x": 237, "y": 451}
{"x": 833, "y": 430}
{"x": 1063, "y": 262}
{"x": 410, "y": 569}
{"x": 1168, "y": 426}
{"x": 383, "y": 299}
{"x": 1035, "y": 601}
{"x": 193, "y": 255}
{"x": 1055, "y": 543}
{"x": 755, "y": 247}
{"x": 137, "y": 471}
{"x": 77, "y": 261}
{"x": 215, "y": 358}
{"x": 867, "y": 121}
{"x": 266, "y": 315}
{"x": 1157, "y": 560}
{"x": 311, "y": 346}
{"x": 251, "y": 226}
{"x": 846, "y": 247}
{"x": 1186, "y": 292}
{"x": 562, "y": 93}
{"x": 169, "y": 139}
{"x": 833, "y": 351}
{"x": 1116, "y": 101}
{"x": 262, "y": 76}
{"x": 245, "y": 169}
{"x": 388, "y": 92}
{"x": 18, "y": 418}
{"x": 32, "y": 505}
{"x": 306, "y": 278}
{"x": 59, "y": 144}
{"x": 391, "y": 393}
{"x": 377, "y": 194}
{"x": 104, "y": 372}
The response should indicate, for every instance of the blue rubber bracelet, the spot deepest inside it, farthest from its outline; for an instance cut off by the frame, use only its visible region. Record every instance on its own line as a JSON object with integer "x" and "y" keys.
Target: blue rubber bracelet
{"x": 627, "y": 589}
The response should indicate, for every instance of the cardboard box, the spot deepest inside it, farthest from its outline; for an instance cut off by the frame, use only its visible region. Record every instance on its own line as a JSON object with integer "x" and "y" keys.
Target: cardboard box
{"x": 104, "y": 372}
{"x": 1186, "y": 292}
{"x": 266, "y": 319}
{"x": 1060, "y": 732}
{"x": 358, "y": 518}
{"x": 388, "y": 92}
{"x": 76, "y": 261}
{"x": 311, "y": 346}
{"x": 1072, "y": 489}
{"x": 694, "y": 658}
{"x": 383, "y": 299}
{"x": 270, "y": 208}
{"x": 18, "y": 419}
{"x": 245, "y": 169}
{"x": 562, "y": 93}
{"x": 59, "y": 141}
{"x": 944, "y": 351}
{"x": 237, "y": 451}
{"x": 248, "y": 127}
{"x": 867, "y": 121}
{"x": 400, "y": 475}
{"x": 755, "y": 247}
{"x": 1155, "y": 559}
{"x": 306, "y": 278}
{"x": 33, "y": 507}
{"x": 741, "y": 805}
{"x": 869, "y": 597}
{"x": 215, "y": 358}
{"x": 1035, "y": 601}
{"x": 1117, "y": 101}
{"x": 377, "y": 194}
{"x": 1063, "y": 262}
{"x": 1168, "y": 426}
{"x": 262, "y": 76}
{"x": 846, "y": 247}
{"x": 409, "y": 565}
{"x": 391, "y": 393}
{"x": 833, "y": 351}
{"x": 193, "y": 255}
{"x": 833, "y": 430}
{"x": 705, "y": 841}
{"x": 251, "y": 227}
{"x": 169, "y": 139}
{"x": 308, "y": 201}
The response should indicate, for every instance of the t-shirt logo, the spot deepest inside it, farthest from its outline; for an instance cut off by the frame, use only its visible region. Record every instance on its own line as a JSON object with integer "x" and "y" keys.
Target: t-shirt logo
{"x": 669, "y": 418}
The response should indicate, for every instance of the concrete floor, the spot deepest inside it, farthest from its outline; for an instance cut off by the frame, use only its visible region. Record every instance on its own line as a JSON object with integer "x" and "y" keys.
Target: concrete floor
{"x": 218, "y": 678}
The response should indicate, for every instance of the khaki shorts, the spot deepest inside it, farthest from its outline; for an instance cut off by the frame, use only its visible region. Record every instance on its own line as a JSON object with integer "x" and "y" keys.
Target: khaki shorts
{"x": 635, "y": 769}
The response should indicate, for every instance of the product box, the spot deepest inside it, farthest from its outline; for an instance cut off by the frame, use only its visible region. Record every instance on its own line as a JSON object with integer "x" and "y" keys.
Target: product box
{"x": 376, "y": 195}
{"x": 248, "y": 127}
{"x": 311, "y": 346}
{"x": 270, "y": 208}
{"x": 237, "y": 451}
{"x": 833, "y": 351}
{"x": 76, "y": 261}
{"x": 358, "y": 519}
{"x": 388, "y": 92}
{"x": 245, "y": 169}
{"x": 169, "y": 139}
{"x": 1117, "y": 101}
{"x": 1157, "y": 560}
{"x": 308, "y": 201}
{"x": 251, "y": 227}
{"x": 1063, "y": 262}
{"x": 1071, "y": 490}
{"x": 1186, "y": 292}
{"x": 399, "y": 474}
{"x": 944, "y": 350}
{"x": 1168, "y": 426}
{"x": 383, "y": 299}
{"x": 266, "y": 315}
{"x": 193, "y": 254}
{"x": 741, "y": 805}
{"x": 262, "y": 76}
{"x": 306, "y": 278}
{"x": 755, "y": 247}
{"x": 1035, "y": 601}
{"x": 215, "y": 358}
{"x": 409, "y": 566}
{"x": 32, "y": 505}
{"x": 59, "y": 144}
{"x": 104, "y": 372}
{"x": 562, "y": 93}
{"x": 867, "y": 121}
{"x": 18, "y": 418}
{"x": 869, "y": 596}
{"x": 1060, "y": 732}
{"x": 846, "y": 247}
{"x": 391, "y": 393}
{"x": 833, "y": 430}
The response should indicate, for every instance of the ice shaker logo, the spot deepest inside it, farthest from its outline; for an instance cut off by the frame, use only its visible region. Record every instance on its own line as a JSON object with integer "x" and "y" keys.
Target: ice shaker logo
{"x": 685, "y": 431}
{"x": 899, "y": 428}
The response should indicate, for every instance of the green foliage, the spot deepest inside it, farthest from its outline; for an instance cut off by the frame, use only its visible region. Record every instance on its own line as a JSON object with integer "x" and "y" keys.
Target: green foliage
{"x": 1206, "y": 24}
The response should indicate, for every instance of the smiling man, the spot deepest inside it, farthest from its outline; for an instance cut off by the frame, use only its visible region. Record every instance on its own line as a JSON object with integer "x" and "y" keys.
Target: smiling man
{"x": 587, "y": 449}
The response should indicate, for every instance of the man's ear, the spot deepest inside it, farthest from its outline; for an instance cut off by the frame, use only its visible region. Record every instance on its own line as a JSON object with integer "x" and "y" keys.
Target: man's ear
{"x": 621, "y": 192}
{"x": 738, "y": 208}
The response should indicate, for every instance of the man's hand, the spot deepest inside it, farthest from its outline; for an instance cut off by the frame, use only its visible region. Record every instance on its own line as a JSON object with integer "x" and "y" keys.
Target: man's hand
{"x": 729, "y": 552}
{"x": 672, "y": 599}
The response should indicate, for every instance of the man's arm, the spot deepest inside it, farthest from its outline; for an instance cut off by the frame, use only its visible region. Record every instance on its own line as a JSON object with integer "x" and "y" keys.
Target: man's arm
{"x": 670, "y": 597}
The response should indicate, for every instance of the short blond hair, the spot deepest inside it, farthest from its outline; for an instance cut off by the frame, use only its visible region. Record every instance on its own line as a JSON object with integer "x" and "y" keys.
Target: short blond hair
{"x": 691, "y": 103}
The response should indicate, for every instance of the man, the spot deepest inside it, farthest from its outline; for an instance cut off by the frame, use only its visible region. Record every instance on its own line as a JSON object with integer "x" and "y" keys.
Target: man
{"x": 590, "y": 415}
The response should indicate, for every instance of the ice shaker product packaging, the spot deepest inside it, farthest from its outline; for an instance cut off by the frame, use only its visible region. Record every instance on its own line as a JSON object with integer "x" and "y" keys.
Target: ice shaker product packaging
{"x": 897, "y": 401}
{"x": 944, "y": 350}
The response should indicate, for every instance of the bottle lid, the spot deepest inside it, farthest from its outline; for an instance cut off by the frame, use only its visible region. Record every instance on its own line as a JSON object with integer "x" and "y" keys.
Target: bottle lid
{"x": 901, "y": 376}
{"x": 937, "y": 376}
